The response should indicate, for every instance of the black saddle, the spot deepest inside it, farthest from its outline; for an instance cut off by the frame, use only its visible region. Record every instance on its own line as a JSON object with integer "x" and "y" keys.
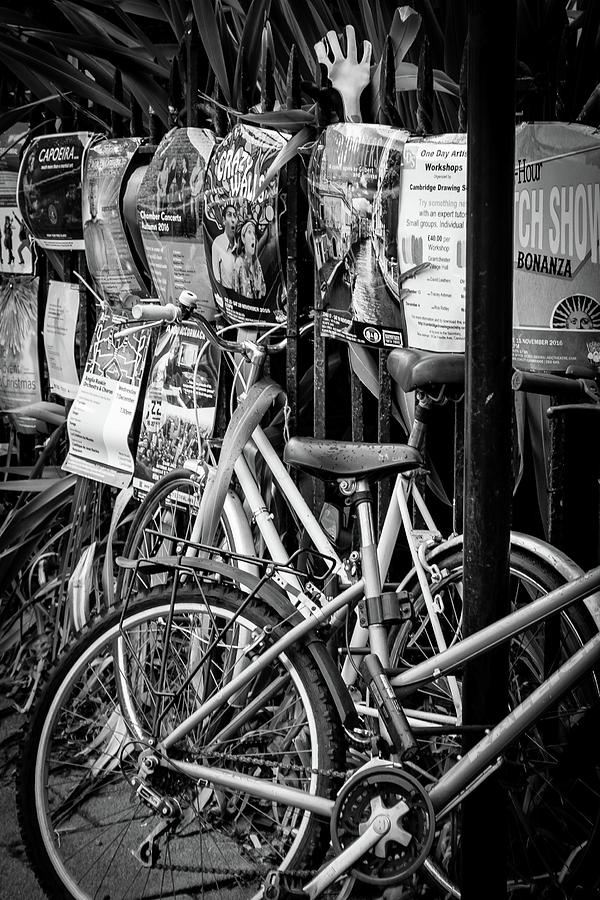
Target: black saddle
{"x": 412, "y": 369}
{"x": 334, "y": 460}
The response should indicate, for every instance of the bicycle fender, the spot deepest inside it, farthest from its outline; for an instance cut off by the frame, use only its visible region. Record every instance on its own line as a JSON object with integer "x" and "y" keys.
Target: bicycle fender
{"x": 244, "y": 420}
{"x": 276, "y": 600}
{"x": 535, "y": 547}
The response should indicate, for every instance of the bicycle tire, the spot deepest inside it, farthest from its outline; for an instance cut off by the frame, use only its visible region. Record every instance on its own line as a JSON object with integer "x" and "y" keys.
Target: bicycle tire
{"x": 163, "y": 522}
{"x": 81, "y": 819}
{"x": 561, "y": 821}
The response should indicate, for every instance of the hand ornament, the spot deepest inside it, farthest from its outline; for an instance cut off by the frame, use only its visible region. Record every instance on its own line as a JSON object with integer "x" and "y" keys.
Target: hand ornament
{"x": 348, "y": 76}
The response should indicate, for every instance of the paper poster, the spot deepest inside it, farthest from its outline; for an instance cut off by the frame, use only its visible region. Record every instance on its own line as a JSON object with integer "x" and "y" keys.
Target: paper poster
{"x": 101, "y": 417}
{"x": 169, "y": 210}
{"x": 49, "y": 189}
{"x": 432, "y": 241}
{"x": 180, "y": 403}
{"x": 15, "y": 243}
{"x": 241, "y": 228}
{"x": 354, "y": 184}
{"x": 60, "y": 324}
{"x": 108, "y": 255}
{"x": 556, "y": 312}
{"x": 19, "y": 366}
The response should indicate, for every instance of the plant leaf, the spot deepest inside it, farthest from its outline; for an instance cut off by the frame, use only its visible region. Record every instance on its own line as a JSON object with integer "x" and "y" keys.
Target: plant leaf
{"x": 305, "y": 136}
{"x": 96, "y": 46}
{"x": 249, "y": 50}
{"x": 211, "y": 39}
{"x": 60, "y": 73}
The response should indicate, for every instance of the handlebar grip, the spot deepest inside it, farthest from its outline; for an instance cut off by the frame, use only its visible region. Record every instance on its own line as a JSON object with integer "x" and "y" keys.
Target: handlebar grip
{"x": 155, "y": 312}
{"x": 550, "y": 385}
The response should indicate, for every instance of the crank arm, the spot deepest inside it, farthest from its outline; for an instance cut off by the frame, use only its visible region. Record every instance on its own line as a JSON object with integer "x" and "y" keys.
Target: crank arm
{"x": 348, "y": 857}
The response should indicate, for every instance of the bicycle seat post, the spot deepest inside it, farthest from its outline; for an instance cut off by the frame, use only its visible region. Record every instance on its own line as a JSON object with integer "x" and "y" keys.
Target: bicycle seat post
{"x": 359, "y": 494}
{"x": 418, "y": 430}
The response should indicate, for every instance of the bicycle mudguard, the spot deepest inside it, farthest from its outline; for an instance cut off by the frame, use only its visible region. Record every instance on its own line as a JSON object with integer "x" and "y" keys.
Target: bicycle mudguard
{"x": 247, "y": 415}
{"x": 536, "y": 548}
{"x": 275, "y": 599}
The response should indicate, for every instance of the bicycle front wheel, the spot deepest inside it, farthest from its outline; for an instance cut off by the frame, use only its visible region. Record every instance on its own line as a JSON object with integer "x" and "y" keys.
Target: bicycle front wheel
{"x": 164, "y": 524}
{"x": 92, "y": 828}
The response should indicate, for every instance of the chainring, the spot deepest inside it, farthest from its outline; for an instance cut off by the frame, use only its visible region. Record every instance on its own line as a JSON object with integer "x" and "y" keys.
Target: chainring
{"x": 385, "y": 789}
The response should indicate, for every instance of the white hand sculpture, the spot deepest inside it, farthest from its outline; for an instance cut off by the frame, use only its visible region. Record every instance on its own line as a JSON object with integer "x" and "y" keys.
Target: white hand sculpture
{"x": 347, "y": 75}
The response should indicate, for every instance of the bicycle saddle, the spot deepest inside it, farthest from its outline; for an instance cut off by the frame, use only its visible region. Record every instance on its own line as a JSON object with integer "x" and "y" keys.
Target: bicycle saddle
{"x": 331, "y": 460}
{"x": 412, "y": 369}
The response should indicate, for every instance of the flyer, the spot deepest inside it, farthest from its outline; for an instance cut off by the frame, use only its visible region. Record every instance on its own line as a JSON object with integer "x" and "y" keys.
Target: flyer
{"x": 60, "y": 324}
{"x": 15, "y": 243}
{"x": 556, "y": 310}
{"x": 49, "y": 189}
{"x": 354, "y": 184}
{"x": 19, "y": 366}
{"x": 109, "y": 258}
{"x": 432, "y": 224}
{"x": 169, "y": 211}
{"x": 180, "y": 403}
{"x": 241, "y": 227}
{"x": 101, "y": 418}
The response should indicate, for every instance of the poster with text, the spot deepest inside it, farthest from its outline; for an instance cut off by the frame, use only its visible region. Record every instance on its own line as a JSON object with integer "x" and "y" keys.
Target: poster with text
{"x": 180, "y": 403}
{"x": 432, "y": 242}
{"x": 354, "y": 185}
{"x": 49, "y": 189}
{"x": 19, "y": 366}
{"x": 101, "y": 418}
{"x": 242, "y": 228}
{"x": 169, "y": 210}
{"x": 556, "y": 310}
{"x": 60, "y": 325}
{"x": 108, "y": 255}
{"x": 15, "y": 243}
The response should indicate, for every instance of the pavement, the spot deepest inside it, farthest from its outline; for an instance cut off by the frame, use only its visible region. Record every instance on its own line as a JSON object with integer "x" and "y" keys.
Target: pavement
{"x": 17, "y": 881}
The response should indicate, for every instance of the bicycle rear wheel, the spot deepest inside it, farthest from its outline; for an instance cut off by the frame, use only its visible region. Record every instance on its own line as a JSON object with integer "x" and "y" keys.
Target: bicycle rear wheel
{"x": 550, "y": 776}
{"x": 90, "y": 831}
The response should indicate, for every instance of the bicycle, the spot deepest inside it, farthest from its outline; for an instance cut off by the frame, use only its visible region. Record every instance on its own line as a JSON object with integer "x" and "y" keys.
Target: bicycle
{"x": 212, "y": 710}
{"x": 206, "y": 507}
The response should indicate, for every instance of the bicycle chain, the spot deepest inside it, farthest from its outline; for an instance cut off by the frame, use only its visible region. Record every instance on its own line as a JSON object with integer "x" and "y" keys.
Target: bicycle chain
{"x": 249, "y": 872}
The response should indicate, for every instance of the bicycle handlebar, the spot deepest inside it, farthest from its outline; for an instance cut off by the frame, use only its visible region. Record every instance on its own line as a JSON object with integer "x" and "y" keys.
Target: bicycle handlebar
{"x": 176, "y": 312}
{"x": 155, "y": 312}
{"x": 550, "y": 385}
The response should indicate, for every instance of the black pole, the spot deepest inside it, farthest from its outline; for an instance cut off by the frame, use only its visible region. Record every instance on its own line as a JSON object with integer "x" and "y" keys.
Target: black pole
{"x": 490, "y": 142}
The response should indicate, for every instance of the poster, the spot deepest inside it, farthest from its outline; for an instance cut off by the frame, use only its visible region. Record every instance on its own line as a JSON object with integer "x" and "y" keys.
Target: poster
{"x": 556, "y": 311}
{"x": 354, "y": 183}
{"x": 169, "y": 210}
{"x": 60, "y": 324}
{"x": 432, "y": 226}
{"x": 101, "y": 417}
{"x": 15, "y": 243}
{"x": 180, "y": 403}
{"x": 19, "y": 366}
{"x": 241, "y": 227}
{"x": 49, "y": 189}
{"x": 108, "y": 254}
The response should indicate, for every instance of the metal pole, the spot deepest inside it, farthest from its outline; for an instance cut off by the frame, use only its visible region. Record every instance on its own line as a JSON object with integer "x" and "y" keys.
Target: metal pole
{"x": 490, "y": 142}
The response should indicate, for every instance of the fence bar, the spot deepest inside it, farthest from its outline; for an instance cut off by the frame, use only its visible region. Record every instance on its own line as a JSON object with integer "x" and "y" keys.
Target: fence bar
{"x": 488, "y": 404}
